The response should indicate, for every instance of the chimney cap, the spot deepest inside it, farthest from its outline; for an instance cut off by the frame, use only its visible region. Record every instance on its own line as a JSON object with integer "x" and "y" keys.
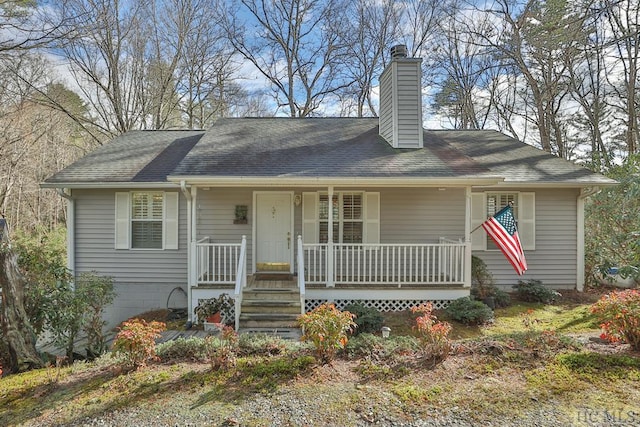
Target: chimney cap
{"x": 399, "y": 51}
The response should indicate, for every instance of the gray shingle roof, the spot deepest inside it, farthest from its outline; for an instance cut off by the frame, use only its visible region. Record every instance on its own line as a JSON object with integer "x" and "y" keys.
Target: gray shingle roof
{"x": 317, "y": 147}
{"x": 516, "y": 161}
{"x": 137, "y": 156}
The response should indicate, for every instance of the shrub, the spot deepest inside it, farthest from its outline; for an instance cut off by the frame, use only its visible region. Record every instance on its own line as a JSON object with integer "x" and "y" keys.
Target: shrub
{"x": 136, "y": 342}
{"x": 535, "y": 291}
{"x": 377, "y": 348}
{"x": 265, "y": 345}
{"x": 501, "y": 298}
{"x": 367, "y": 319}
{"x": 468, "y": 311}
{"x": 432, "y": 334}
{"x": 221, "y": 350}
{"x": 192, "y": 348}
{"x": 326, "y": 328}
{"x": 619, "y": 316}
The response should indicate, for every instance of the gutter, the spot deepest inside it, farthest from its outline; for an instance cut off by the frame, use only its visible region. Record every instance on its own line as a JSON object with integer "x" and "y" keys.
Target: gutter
{"x": 580, "y": 265}
{"x": 71, "y": 225}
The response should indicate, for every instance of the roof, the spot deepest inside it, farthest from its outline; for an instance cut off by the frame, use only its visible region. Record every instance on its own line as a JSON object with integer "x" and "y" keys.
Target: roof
{"x": 317, "y": 148}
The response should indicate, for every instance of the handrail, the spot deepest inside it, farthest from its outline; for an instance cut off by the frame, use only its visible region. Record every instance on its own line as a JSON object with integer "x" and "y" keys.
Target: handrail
{"x": 241, "y": 280}
{"x": 301, "y": 283}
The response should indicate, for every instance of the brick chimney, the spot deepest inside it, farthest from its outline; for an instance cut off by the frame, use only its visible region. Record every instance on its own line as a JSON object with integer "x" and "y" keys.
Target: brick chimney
{"x": 401, "y": 100}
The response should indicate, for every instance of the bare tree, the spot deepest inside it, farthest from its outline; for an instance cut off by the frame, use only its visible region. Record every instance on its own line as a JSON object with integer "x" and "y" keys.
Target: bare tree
{"x": 623, "y": 19}
{"x": 467, "y": 69}
{"x": 537, "y": 39}
{"x": 25, "y": 26}
{"x": 589, "y": 88}
{"x": 375, "y": 25}
{"x": 294, "y": 44}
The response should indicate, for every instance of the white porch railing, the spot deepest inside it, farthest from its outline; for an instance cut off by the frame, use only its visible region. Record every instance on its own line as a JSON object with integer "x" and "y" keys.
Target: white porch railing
{"x": 241, "y": 280}
{"x": 217, "y": 263}
{"x": 301, "y": 278}
{"x": 386, "y": 264}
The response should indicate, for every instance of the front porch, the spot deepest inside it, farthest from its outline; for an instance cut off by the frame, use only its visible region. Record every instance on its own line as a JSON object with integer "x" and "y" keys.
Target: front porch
{"x": 386, "y": 276}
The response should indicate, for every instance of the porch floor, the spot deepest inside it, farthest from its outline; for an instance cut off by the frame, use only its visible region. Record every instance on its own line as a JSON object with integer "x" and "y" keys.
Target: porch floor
{"x": 271, "y": 281}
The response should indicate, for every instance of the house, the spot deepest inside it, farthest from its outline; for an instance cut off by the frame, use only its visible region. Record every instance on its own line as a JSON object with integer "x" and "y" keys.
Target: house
{"x": 375, "y": 210}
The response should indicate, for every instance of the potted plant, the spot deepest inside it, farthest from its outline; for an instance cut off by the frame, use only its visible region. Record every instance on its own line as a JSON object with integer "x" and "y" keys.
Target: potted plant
{"x": 214, "y": 310}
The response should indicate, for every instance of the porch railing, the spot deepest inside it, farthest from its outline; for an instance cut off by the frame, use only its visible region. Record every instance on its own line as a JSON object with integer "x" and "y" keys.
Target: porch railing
{"x": 301, "y": 278}
{"x": 241, "y": 280}
{"x": 385, "y": 264}
{"x": 217, "y": 263}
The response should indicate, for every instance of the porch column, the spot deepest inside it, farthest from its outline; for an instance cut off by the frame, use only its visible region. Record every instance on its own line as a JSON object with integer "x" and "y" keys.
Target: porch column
{"x": 330, "y": 267}
{"x": 467, "y": 239}
{"x": 192, "y": 254}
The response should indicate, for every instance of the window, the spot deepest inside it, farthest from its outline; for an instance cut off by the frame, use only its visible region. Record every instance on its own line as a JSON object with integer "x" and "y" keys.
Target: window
{"x": 484, "y": 205}
{"x": 347, "y": 217}
{"x": 146, "y": 220}
{"x": 495, "y": 202}
{"x": 356, "y": 217}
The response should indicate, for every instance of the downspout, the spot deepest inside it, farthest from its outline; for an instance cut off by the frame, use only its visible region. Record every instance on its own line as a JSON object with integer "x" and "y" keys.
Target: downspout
{"x": 467, "y": 239}
{"x": 187, "y": 196}
{"x": 71, "y": 232}
{"x": 584, "y": 193}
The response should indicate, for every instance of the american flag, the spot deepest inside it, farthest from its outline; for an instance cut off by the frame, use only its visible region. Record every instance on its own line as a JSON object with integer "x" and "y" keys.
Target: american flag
{"x": 502, "y": 229}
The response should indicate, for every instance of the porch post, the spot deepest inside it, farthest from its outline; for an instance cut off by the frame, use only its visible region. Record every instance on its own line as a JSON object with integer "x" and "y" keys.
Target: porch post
{"x": 467, "y": 239}
{"x": 330, "y": 267}
{"x": 192, "y": 254}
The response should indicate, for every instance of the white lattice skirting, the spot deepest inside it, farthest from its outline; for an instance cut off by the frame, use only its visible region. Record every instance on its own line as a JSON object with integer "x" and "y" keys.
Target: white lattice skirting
{"x": 380, "y": 305}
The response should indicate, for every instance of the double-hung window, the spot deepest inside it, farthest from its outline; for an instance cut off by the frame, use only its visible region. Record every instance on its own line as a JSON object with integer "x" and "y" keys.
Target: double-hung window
{"x": 488, "y": 204}
{"x": 347, "y": 213}
{"x": 146, "y": 220}
{"x": 355, "y": 217}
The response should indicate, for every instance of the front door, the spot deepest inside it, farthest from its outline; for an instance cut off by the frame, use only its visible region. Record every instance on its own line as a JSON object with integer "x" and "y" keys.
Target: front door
{"x": 274, "y": 240}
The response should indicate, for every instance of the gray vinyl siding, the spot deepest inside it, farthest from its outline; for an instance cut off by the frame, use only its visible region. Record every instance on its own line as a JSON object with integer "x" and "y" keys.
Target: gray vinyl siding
{"x": 94, "y": 246}
{"x": 216, "y": 212}
{"x": 401, "y": 104}
{"x": 386, "y": 107}
{"x": 554, "y": 261}
{"x": 421, "y": 215}
{"x": 409, "y": 114}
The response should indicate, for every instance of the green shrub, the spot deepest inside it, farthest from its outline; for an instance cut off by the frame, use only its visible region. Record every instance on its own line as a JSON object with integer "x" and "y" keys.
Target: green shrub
{"x": 368, "y": 319}
{"x": 192, "y": 348}
{"x": 375, "y": 347}
{"x": 266, "y": 345}
{"x": 619, "y": 316}
{"x": 534, "y": 291}
{"x": 501, "y": 298}
{"x": 327, "y": 328}
{"x": 468, "y": 311}
{"x": 136, "y": 342}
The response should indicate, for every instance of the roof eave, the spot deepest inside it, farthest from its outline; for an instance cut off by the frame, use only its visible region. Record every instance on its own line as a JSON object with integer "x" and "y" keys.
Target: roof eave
{"x": 554, "y": 184}
{"x": 268, "y": 181}
{"x": 117, "y": 185}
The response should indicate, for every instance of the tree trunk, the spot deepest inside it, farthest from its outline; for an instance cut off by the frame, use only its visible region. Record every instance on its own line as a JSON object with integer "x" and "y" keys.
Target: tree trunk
{"x": 16, "y": 328}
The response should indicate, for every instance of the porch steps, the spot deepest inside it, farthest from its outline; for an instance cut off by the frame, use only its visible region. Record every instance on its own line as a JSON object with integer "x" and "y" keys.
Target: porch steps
{"x": 269, "y": 309}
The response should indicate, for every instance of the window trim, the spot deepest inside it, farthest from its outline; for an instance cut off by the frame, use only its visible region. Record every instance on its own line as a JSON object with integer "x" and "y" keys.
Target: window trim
{"x": 124, "y": 220}
{"x": 341, "y": 217}
{"x": 526, "y": 218}
{"x": 370, "y": 216}
{"x": 133, "y": 220}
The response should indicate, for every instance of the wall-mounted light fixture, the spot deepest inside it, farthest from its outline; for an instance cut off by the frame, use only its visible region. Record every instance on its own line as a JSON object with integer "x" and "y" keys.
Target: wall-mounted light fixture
{"x": 297, "y": 199}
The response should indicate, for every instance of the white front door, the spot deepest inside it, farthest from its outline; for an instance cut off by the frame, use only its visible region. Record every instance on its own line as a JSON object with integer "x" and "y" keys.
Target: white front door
{"x": 274, "y": 240}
